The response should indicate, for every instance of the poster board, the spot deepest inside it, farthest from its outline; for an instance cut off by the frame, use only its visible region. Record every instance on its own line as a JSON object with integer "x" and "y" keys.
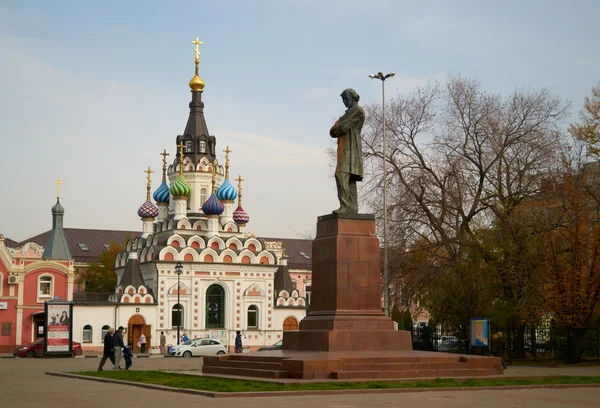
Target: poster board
{"x": 480, "y": 332}
{"x": 58, "y": 336}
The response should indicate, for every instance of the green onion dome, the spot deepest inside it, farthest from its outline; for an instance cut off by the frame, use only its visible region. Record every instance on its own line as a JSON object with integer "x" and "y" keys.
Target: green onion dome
{"x": 180, "y": 188}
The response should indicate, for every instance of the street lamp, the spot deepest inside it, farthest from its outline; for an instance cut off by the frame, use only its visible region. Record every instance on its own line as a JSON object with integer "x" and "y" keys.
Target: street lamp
{"x": 178, "y": 270}
{"x": 386, "y": 289}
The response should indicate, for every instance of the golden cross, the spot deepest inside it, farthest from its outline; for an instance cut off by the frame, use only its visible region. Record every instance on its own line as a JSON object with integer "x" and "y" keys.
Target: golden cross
{"x": 181, "y": 146}
{"x": 239, "y": 180}
{"x": 213, "y": 169}
{"x": 227, "y": 151}
{"x": 149, "y": 183}
{"x": 164, "y": 154}
{"x": 197, "y": 50}
{"x": 58, "y": 183}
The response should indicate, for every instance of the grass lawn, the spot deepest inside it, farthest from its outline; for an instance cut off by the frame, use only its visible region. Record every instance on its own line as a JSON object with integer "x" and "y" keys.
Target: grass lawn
{"x": 228, "y": 385}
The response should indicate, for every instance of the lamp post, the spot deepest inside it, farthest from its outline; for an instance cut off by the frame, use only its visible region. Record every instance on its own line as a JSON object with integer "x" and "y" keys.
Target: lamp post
{"x": 386, "y": 283}
{"x": 178, "y": 270}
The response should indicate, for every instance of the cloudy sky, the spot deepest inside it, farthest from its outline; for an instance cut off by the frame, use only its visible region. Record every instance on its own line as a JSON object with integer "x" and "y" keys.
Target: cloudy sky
{"x": 91, "y": 92}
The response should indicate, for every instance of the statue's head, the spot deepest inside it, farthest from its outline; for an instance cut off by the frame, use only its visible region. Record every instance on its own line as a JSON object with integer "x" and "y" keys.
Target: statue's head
{"x": 350, "y": 97}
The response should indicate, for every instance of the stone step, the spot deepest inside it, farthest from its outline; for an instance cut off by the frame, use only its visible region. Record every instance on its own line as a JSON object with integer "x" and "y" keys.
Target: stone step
{"x": 245, "y": 372}
{"x": 404, "y": 366}
{"x": 470, "y": 372}
{"x": 260, "y": 365}
{"x": 254, "y": 357}
{"x": 399, "y": 360}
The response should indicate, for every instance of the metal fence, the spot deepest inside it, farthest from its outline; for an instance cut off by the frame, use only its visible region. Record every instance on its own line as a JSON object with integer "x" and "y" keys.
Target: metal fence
{"x": 538, "y": 343}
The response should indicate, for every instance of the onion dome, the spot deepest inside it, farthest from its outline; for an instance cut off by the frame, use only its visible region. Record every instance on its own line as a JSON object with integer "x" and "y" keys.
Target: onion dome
{"x": 148, "y": 210}
{"x": 57, "y": 208}
{"x": 212, "y": 206}
{"x": 227, "y": 191}
{"x": 161, "y": 195}
{"x": 180, "y": 188}
{"x": 196, "y": 83}
{"x": 240, "y": 216}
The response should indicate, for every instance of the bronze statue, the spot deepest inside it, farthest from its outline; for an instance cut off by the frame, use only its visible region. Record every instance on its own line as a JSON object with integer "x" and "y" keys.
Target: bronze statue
{"x": 349, "y": 168}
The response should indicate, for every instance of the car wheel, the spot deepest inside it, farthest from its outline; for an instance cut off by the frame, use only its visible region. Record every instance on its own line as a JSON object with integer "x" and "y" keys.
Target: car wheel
{"x": 220, "y": 352}
{"x": 187, "y": 354}
{"x": 30, "y": 354}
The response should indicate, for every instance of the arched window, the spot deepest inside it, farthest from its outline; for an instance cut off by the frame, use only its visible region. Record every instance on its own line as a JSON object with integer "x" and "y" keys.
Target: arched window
{"x": 177, "y": 316}
{"x": 202, "y": 146}
{"x": 253, "y": 317}
{"x": 188, "y": 146}
{"x": 45, "y": 289}
{"x": 215, "y": 307}
{"x": 104, "y": 331}
{"x": 88, "y": 333}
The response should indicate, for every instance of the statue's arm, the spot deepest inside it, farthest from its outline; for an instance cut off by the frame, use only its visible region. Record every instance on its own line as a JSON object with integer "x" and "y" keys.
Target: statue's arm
{"x": 350, "y": 119}
{"x": 335, "y": 129}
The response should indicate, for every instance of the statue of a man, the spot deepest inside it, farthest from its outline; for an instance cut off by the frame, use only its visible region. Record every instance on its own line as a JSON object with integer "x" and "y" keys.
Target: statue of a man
{"x": 349, "y": 168}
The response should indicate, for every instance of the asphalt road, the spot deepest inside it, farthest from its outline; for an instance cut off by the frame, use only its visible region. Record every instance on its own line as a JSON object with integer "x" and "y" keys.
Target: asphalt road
{"x": 24, "y": 384}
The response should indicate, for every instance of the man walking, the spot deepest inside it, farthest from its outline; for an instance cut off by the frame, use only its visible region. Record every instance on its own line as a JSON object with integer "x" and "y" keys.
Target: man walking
{"x": 163, "y": 343}
{"x": 109, "y": 349}
{"x": 118, "y": 344}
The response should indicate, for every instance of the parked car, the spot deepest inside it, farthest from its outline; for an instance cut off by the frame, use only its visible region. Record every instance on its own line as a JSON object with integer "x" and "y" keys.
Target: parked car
{"x": 198, "y": 347}
{"x": 36, "y": 349}
{"x": 451, "y": 346}
{"x": 276, "y": 346}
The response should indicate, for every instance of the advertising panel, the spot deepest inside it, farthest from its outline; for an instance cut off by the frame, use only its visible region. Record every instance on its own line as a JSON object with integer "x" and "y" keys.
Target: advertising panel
{"x": 58, "y": 327}
{"x": 480, "y": 332}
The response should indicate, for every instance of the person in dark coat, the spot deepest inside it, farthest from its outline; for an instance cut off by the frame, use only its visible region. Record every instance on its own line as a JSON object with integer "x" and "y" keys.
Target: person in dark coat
{"x": 127, "y": 355}
{"x": 118, "y": 346}
{"x": 109, "y": 349}
{"x": 238, "y": 342}
{"x": 500, "y": 347}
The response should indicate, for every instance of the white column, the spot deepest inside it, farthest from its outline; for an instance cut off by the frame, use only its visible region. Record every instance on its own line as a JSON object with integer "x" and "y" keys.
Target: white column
{"x": 212, "y": 225}
{"x": 180, "y": 204}
{"x": 147, "y": 227}
{"x": 163, "y": 211}
{"x": 227, "y": 214}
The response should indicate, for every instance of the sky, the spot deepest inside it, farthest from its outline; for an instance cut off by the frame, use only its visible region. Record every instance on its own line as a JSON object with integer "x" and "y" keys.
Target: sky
{"x": 92, "y": 92}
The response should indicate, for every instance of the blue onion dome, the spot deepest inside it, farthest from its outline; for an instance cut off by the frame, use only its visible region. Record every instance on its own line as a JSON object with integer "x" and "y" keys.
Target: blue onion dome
{"x": 212, "y": 206}
{"x": 148, "y": 210}
{"x": 240, "y": 216}
{"x": 227, "y": 191}
{"x": 161, "y": 195}
{"x": 180, "y": 188}
{"x": 57, "y": 208}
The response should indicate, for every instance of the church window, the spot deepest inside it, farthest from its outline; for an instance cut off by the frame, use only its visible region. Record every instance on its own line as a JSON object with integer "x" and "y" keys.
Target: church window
{"x": 215, "y": 307}
{"x": 87, "y": 333}
{"x": 177, "y": 316}
{"x": 104, "y": 331}
{"x": 202, "y": 146}
{"x": 252, "y": 317}
{"x": 188, "y": 147}
{"x": 202, "y": 195}
{"x": 45, "y": 287}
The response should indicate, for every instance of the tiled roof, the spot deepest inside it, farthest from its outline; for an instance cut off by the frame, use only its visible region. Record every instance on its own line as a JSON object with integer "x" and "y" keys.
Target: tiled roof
{"x": 10, "y": 243}
{"x": 91, "y": 239}
{"x": 294, "y": 249}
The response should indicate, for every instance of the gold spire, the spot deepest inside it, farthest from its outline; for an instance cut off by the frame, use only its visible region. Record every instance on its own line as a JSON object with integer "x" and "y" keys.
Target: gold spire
{"x": 213, "y": 168}
{"x": 196, "y": 83}
{"x": 164, "y": 154}
{"x": 239, "y": 180}
{"x": 181, "y": 146}
{"x": 148, "y": 185}
{"x": 58, "y": 183}
{"x": 227, "y": 151}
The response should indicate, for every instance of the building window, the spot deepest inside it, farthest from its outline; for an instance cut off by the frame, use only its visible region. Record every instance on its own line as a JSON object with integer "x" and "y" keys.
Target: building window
{"x": 202, "y": 196}
{"x": 188, "y": 147}
{"x": 87, "y": 333}
{"x": 83, "y": 247}
{"x": 202, "y": 146}
{"x": 215, "y": 307}
{"x": 177, "y": 316}
{"x": 104, "y": 331}
{"x": 308, "y": 292}
{"x": 253, "y": 317}
{"x": 45, "y": 287}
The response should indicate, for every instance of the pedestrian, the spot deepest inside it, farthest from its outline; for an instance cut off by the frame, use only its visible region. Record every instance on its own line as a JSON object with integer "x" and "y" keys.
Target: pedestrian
{"x": 239, "y": 348}
{"x": 163, "y": 343}
{"x": 500, "y": 347}
{"x": 127, "y": 355}
{"x": 109, "y": 349}
{"x": 142, "y": 343}
{"x": 185, "y": 338}
{"x": 118, "y": 344}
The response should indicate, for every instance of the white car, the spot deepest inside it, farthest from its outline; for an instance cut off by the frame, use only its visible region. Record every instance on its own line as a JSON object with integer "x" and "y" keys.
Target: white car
{"x": 198, "y": 347}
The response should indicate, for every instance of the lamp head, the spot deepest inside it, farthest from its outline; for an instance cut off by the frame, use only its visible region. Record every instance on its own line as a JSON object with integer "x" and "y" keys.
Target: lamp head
{"x": 179, "y": 268}
{"x": 391, "y": 74}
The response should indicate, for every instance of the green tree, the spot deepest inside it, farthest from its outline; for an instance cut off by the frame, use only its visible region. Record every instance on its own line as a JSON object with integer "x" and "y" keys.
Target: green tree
{"x": 588, "y": 130}
{"x": 100, "y": 276}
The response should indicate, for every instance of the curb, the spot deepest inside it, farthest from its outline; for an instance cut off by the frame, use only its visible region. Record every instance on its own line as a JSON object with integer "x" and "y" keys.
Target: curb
{"x": 214, "y": 394}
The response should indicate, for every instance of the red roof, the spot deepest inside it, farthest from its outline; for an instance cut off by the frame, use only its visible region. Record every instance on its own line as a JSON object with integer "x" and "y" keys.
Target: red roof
{"x": 10, "y": 243}
{"x": 299, "y": 251}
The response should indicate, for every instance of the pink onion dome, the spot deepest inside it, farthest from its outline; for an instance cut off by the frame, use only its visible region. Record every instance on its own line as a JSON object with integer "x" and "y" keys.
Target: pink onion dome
{"x": 240, "y": 216}
{"x": 148, "y": 210}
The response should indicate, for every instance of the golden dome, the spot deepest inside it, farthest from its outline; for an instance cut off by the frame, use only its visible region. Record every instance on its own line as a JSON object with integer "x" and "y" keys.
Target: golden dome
{"x": 196, "y": 83}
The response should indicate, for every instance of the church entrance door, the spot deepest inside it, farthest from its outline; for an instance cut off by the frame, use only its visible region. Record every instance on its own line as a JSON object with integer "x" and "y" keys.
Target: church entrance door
{"x": 135, "y": 327}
